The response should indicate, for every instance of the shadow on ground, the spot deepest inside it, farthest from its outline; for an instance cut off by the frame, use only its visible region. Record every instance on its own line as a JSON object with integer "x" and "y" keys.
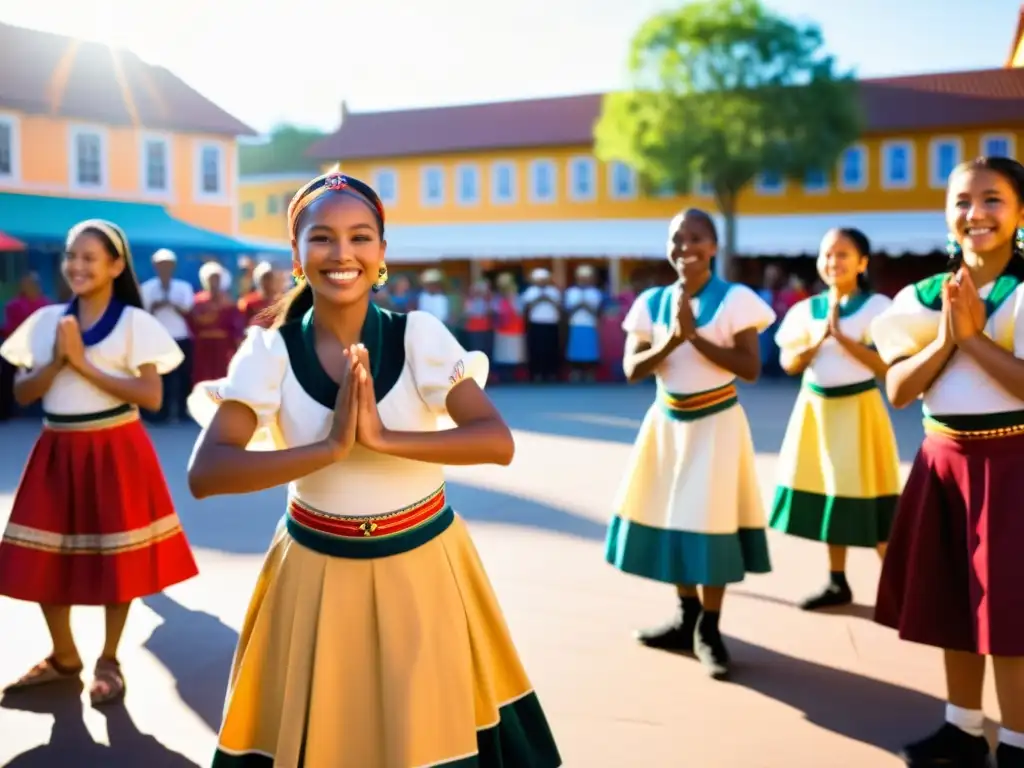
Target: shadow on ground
{"x": 71, "y": 744}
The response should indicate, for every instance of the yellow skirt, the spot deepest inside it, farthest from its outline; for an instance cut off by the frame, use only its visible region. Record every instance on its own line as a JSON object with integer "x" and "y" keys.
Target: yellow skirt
{"x": 397, "y": 661}
{"x": 838, "y": 468}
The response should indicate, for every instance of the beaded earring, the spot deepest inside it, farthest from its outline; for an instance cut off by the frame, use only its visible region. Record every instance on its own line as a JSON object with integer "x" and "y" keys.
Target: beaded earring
{"x": 1018, "y": 242}
{"x": 382, "y": 278}
{"x": 297, "y": 272}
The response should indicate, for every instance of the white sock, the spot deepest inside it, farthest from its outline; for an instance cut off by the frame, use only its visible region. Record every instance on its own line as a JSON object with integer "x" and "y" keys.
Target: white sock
{"x": 967, "y": 720}
{"x": 1011, "y": 738}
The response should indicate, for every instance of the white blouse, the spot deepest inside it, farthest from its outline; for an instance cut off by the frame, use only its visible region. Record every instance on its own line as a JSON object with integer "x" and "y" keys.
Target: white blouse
{"x": 963, "y": 387}
{"x": 832, "y": 366}
{"x": 275, "y": 382}
{"x": 137, "y": 339}
{"x": 728, "y": 310}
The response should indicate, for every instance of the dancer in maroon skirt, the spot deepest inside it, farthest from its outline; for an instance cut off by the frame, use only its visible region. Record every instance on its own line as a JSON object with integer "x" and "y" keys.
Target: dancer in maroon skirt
{"x": 954, "y": 573}
{"x": 92, "y": 522}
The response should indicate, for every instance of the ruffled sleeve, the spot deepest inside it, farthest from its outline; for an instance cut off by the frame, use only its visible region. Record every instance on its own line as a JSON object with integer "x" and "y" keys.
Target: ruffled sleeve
{"x": 745, "y": 309}
{"x": 638, "y": 321}
{"x": 904, "y": 328}
{"x": 877, "y": 304}
{"x": 254, "y": 379}
{"x": 149, "y": 343}
{"x": 438, "y": 362}
{"x": 794, "y": 333}
{"x": 32, "y": 343}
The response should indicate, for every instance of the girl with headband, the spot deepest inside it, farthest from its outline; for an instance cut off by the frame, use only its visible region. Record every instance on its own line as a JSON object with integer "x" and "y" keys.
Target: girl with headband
{"x": 953, "y": 576}
{"x": 373, "y": 637}
{"x": 79, "y": 532}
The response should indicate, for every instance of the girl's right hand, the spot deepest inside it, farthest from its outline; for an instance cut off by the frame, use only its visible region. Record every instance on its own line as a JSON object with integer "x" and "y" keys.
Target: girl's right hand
{"x": 60, "y": 355}
{"x": 342, "y": 436}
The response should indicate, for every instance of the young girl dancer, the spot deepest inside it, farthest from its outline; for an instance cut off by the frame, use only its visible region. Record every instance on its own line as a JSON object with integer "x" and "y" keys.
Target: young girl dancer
{"x": 689, "y": 511}
{"x": 92, "y": 522}
{"x": 953, "y": 575}
{"x": 839, "y": 467}
{"x": 373, "y": 637}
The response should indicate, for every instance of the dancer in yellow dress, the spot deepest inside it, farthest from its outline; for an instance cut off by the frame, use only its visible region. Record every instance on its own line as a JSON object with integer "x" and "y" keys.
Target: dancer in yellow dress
{"x": 373, "y": 638}
{"x": 839, "y": 466}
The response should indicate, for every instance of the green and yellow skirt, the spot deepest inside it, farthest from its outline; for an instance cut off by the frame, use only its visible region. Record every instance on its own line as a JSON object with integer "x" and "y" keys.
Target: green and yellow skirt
{"x": 378, "y": 643}
{"x": 838, "y": 467}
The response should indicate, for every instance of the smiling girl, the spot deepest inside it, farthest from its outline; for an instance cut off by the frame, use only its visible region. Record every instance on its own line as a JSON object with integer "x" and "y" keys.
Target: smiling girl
{"x": 92, "y": 521}
{"x": 373, "y": 637}
{"x": 689, "y": 510}
{"x": 953, "y": 575}
{"x": 838, "y": 467}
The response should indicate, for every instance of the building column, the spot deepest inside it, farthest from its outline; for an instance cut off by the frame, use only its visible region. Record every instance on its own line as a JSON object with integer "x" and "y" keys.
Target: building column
{"x": 615, "y": 275}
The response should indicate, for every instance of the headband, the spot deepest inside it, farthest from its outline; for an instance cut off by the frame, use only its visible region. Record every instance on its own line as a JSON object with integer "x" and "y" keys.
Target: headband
{"x": 110, "y": 230}
{"x": 334, "y": 182}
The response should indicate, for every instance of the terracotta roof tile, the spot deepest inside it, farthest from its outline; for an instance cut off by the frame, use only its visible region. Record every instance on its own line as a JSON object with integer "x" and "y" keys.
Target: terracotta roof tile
{"x": 917, "y": 102}
{"x": 101, "y": 85}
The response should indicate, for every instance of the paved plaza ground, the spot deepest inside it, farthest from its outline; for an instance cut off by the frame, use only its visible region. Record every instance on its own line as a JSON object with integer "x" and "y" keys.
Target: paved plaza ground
{"x": 821, "y": 691}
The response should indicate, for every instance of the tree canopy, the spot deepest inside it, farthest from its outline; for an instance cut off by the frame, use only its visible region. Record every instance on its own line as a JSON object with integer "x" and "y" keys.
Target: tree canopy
{"x": 283, "y": 152}
{"x": 724, "y": 90}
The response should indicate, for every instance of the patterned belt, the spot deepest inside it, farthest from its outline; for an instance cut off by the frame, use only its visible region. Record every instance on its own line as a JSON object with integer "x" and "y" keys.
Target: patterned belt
{"x": 846, "y": 390}
{"x": 372, "y": 536}
{"x": 697, "y": 405}
{"x": 987, "y": 426}
{"x": 85, "y": 422}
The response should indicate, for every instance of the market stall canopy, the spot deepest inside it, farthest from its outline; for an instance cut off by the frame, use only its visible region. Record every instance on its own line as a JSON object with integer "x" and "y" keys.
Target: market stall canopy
{"x": 896, "y": 233}
{"x": 8, "y": 243}
{"x": 41, "y": 220}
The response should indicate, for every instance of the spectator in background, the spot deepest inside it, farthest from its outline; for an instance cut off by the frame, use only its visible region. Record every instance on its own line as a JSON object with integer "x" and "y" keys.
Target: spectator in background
{"x": 217, "y": 325}
{"x": 583, "y": 303}
{"x": 28, "y": 299}
{"x": 254, "y": 305}
{"x": 542, "y": 306}
{"x": 247, "y": 282}
{"x": 769, "y": 293}
{"x": 170, "y": 301}
{"x": 478, "y": 314}
{"x": 400, "y": 296}
{"x": 433, "y": 299}
{"x": 509, "y": 330}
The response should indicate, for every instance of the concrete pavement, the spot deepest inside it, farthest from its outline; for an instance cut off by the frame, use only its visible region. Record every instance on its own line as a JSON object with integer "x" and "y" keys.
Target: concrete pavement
{"x": 809, "y": 690}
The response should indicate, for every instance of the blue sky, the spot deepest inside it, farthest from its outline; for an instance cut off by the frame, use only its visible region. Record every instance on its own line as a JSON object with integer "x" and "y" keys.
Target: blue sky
{"x": 267, "y": 60}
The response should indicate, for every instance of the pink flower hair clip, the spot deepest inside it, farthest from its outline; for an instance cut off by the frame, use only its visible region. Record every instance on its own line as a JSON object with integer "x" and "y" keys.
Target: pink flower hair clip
{"x": 335, "y": 182}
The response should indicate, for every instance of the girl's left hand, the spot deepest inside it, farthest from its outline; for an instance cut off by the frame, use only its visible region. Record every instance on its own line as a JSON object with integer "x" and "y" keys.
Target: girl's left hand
{"x": 968, "y": 294}
{"x": 370, "y": 430}
{"x": 71, "y": 340}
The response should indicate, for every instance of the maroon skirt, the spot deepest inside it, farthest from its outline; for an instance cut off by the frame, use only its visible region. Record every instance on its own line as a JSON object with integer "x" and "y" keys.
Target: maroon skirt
{"x": 953, "y": 575}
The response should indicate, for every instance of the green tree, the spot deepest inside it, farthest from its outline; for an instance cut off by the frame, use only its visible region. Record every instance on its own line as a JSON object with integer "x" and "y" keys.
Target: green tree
{"x": 721, "y": 91}
{"x": 283, "y": 152}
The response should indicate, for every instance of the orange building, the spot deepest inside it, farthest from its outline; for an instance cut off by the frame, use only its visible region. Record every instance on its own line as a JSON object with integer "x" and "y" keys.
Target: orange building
{"x": 90, "y": 131}
{"x": 483, "y": 185}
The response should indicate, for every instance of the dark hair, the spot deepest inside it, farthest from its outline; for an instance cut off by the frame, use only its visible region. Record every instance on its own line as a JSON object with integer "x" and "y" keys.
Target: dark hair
{"x": 115, "y": 243}
{"x": 296, "y": 302}
{"x": 863, "y": 247}
{"x": 1013, "y": 172}
{"x": 703, "y": 216}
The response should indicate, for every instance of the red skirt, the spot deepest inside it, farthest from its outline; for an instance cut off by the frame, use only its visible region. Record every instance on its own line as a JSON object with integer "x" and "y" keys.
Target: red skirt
{"x": 93, "y": 522}
{"x": 953, "y": 575}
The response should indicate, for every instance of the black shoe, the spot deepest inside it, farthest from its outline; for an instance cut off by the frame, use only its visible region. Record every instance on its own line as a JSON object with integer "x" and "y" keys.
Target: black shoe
{"x": 677, "y": 635}
{"x": 837, "y": 592}
{"x": 948, "y": 747}
{"x": 709, "y": 647}
{"x": 1009, "y": 757}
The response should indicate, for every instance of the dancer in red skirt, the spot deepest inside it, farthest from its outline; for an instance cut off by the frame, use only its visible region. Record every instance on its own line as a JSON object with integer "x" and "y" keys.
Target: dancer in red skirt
{"x": 92, "y": 522}
{"x": 954, "y": 575}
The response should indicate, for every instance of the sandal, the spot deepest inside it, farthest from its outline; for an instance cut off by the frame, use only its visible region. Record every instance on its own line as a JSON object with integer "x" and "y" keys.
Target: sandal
{"x": 108, "y": 683}
{"x": 49, "y": 670}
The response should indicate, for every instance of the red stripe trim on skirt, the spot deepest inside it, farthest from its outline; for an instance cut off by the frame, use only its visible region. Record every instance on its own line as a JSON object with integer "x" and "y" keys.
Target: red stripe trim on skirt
{"x": 379, "y": 526}
{"x": 953, "y": 576}
{"x": 92, "y": 521}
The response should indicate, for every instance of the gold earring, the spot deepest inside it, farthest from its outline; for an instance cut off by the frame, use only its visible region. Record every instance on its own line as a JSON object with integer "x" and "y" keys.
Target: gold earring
{"x": 382, "y": 277}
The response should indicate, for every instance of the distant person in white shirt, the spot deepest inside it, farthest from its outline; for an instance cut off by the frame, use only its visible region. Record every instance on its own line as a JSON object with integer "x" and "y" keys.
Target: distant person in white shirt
{"x": 170, "y": 300}
{"x": 433, "y": 300}
{"x": 583, "y": 303}
{"x": 542, "y": 307}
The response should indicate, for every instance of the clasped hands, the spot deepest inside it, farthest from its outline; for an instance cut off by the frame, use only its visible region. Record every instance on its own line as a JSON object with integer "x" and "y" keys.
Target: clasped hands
{"x": 356, "y": 419}
{"x": 963, "y": 311}
{"x": 68, "y": 348}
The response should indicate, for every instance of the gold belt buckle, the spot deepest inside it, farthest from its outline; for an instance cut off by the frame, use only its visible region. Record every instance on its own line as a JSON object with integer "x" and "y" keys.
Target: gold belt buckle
{"x": 368, "y": 528}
